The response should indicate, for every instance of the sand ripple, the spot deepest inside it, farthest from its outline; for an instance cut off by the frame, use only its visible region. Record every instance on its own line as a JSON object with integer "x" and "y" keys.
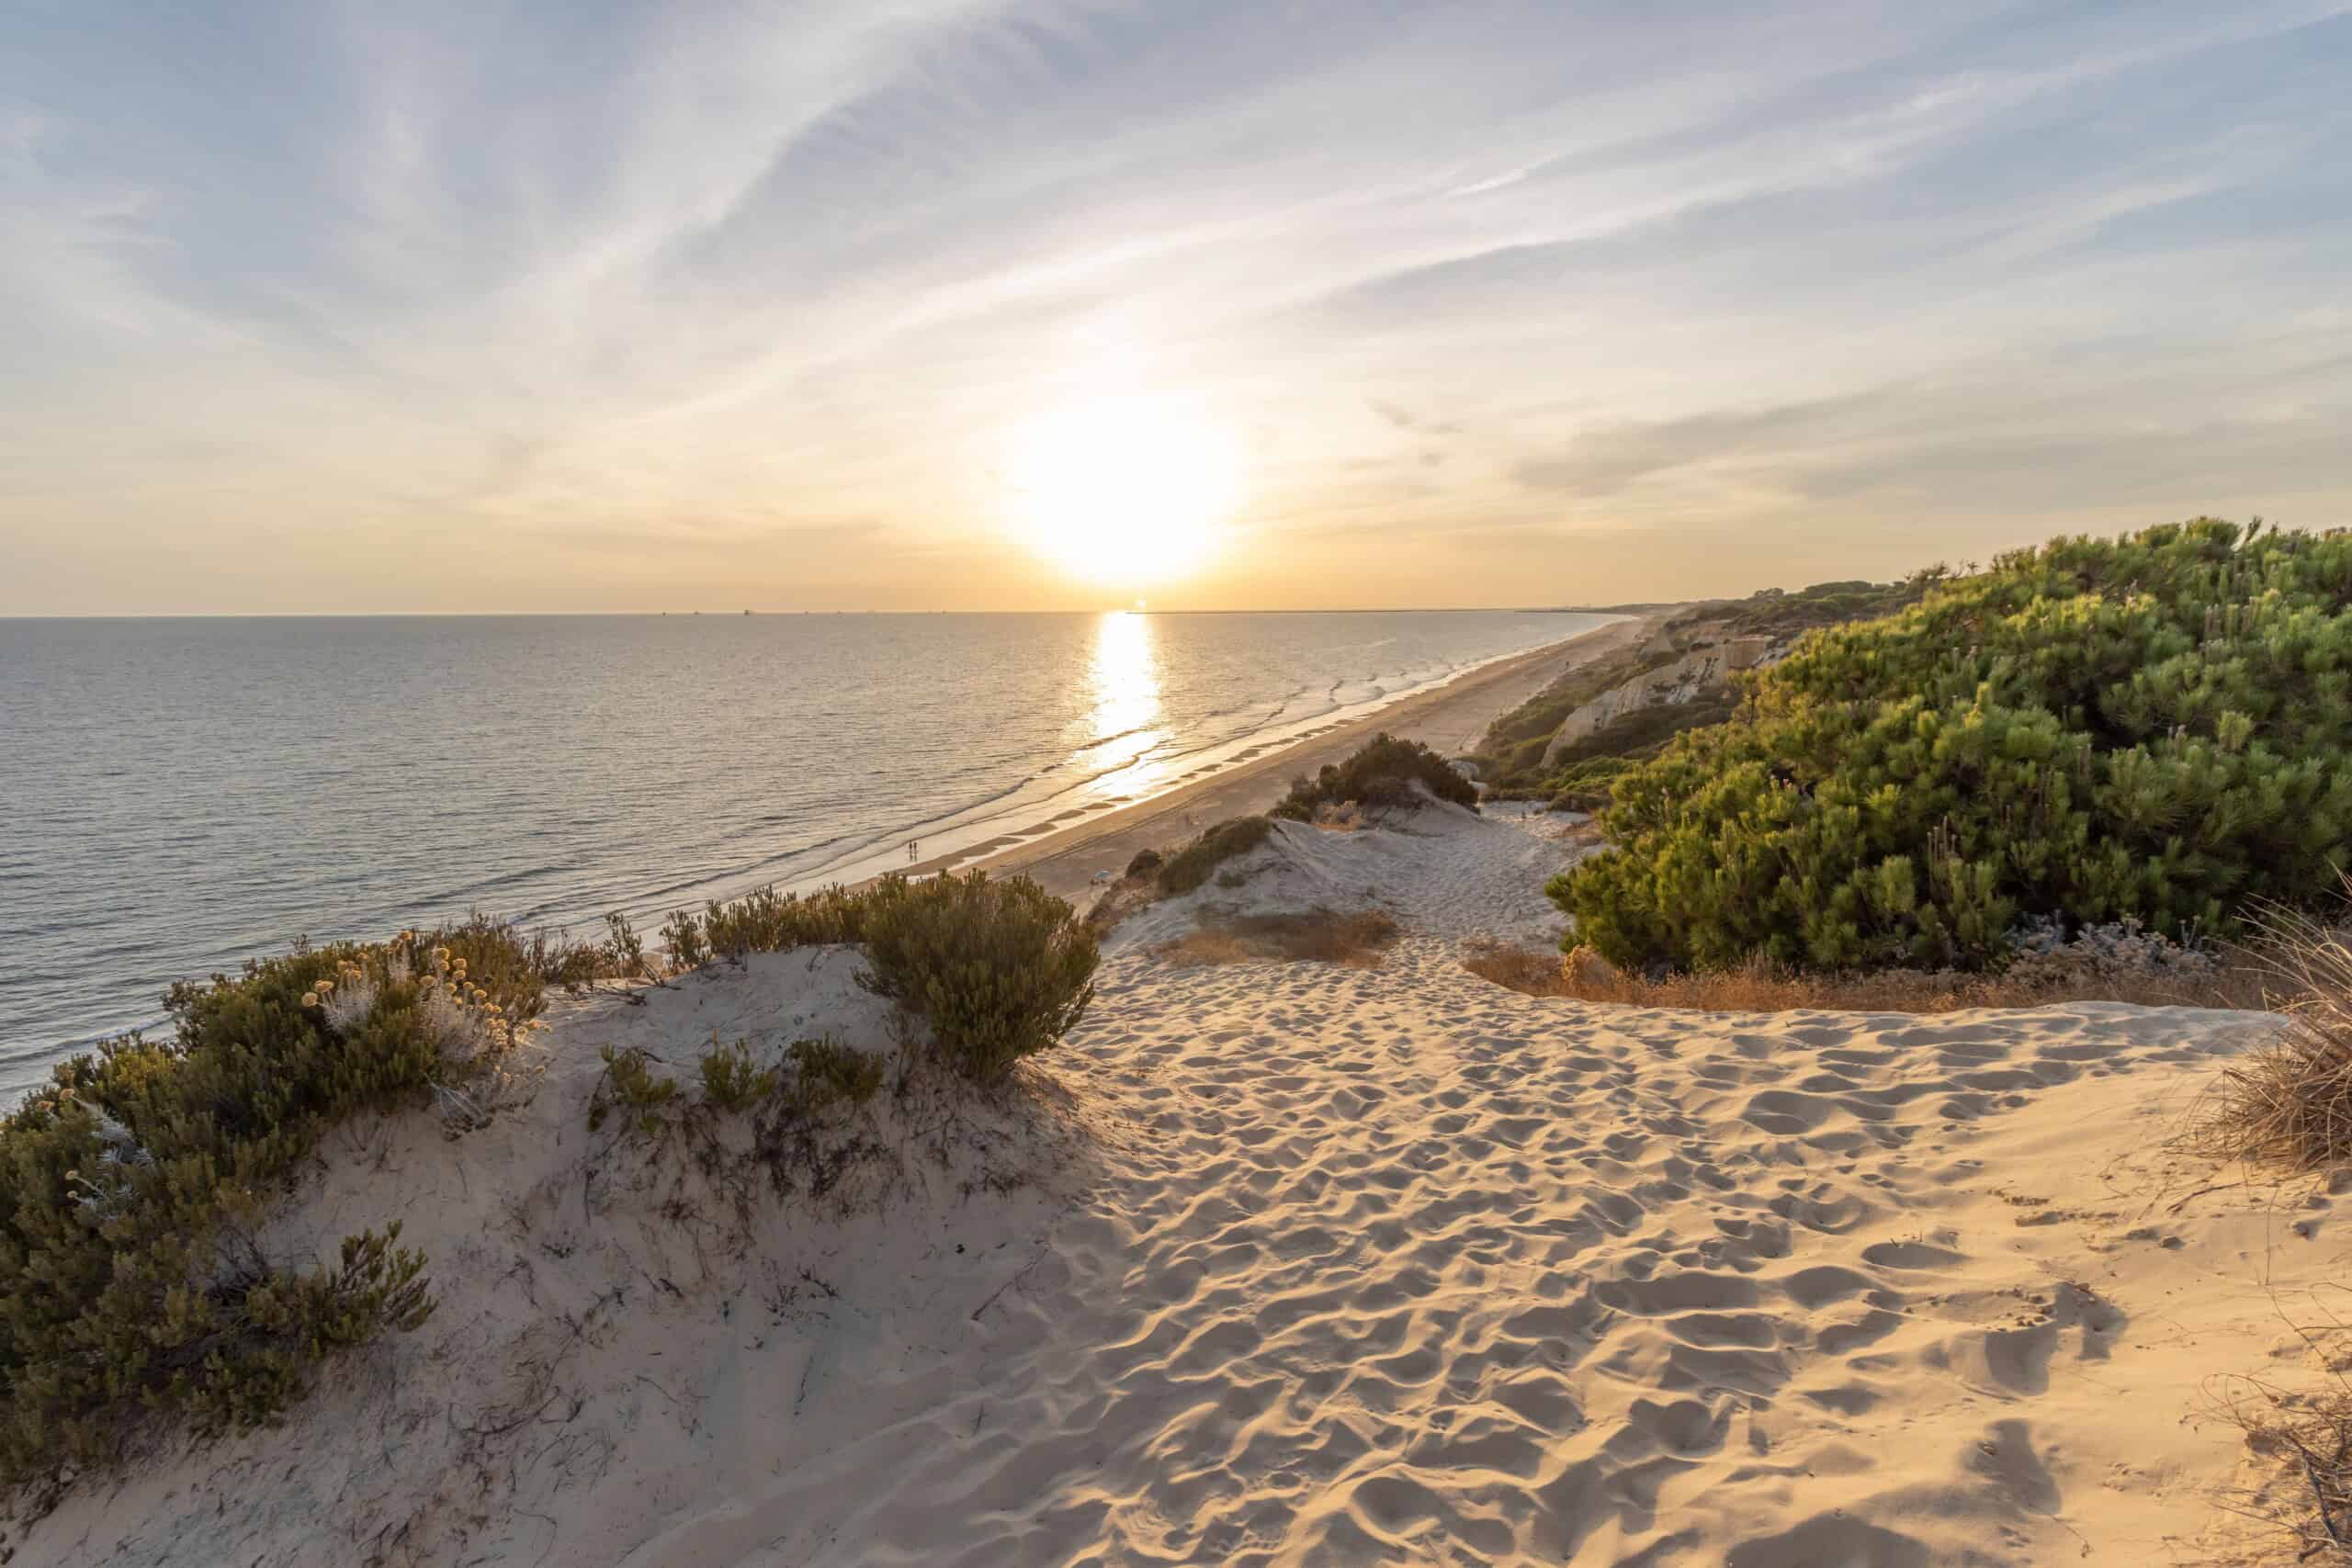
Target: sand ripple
{"x": 1399, "y": 1267}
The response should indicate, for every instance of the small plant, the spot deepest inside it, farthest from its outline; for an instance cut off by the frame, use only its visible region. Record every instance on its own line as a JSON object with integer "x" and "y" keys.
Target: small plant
{"x": 731, "y": 1080}
{"x": 1147, "y": 863}
{"x": 826, "y": 1074}
{"x": 631, "y": 1087}
{"x": 1232, "y": 878}
{"x": 624, "y": 949}
{"x": 681, "y": 934}
{"x": 1000, "y": 970}
{"x": 1198, "y": 860}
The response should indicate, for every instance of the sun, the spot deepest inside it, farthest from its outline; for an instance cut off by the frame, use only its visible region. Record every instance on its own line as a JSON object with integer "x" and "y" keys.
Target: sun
{"x": 1125, "y": 493}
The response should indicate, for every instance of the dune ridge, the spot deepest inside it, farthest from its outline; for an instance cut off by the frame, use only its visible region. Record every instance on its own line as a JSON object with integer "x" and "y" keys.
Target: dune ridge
{"x": 1289, "y": 1264}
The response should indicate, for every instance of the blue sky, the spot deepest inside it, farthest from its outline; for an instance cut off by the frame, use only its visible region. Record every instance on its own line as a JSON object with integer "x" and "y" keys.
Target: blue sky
{"x": 582, "y": 306}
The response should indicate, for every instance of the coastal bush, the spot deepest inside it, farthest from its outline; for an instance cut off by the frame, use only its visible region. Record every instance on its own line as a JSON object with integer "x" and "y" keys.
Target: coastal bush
{"x": 998, "y": 969}
{"x": 631, "y": 1087}
{"x": 2153, "y": 728}
{"x": 1588, "y": 785}
{"x": 1198, "y": 860}
{"x": 732, "y": 1080}
{"x": 1383, "y": 772}
{"x": 826, "y": 1074}
{"x": 129, "y": 1283}
{"x": 765, "y": 920}
{"x": 1147, "y": 863}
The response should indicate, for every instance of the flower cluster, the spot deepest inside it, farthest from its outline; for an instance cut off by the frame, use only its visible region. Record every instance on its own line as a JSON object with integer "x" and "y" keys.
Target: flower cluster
{"x": 467, "y": 1022}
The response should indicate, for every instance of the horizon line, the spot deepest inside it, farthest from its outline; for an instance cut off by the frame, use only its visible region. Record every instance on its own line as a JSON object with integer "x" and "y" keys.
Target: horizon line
{"x": 743, "y": 614}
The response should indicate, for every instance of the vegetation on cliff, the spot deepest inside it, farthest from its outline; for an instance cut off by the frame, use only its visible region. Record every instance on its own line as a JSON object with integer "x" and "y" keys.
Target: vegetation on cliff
{"x": 1517, "y": 752}
{"x": 2153, "y": 728}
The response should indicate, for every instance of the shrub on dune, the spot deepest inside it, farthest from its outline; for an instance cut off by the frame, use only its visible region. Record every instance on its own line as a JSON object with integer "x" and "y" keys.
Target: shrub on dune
{"x": 129, "y": 1283}
{"x": 1193, "y": 865}
{"x": 1383, "y": 771}
{"x": 1000, "y": 970}
{"x": 2156, "y": 729}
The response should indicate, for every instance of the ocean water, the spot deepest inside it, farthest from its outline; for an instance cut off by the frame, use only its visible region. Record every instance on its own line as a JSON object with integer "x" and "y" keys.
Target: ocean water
{"x": 179, "y": 794}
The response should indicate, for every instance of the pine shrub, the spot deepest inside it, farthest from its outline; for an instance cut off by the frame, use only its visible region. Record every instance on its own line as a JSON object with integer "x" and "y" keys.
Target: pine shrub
{"x": 2153, "y": 728}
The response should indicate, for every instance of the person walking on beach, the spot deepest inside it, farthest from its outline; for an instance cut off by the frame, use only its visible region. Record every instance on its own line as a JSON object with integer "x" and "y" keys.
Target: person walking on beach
{"x": 910, "y": 850}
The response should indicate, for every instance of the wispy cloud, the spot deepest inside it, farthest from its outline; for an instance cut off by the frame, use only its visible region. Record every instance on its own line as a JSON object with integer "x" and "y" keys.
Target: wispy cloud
{"x": 542, "y": 306}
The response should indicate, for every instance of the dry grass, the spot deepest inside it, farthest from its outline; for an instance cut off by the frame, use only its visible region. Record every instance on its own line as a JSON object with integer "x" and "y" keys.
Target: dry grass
{"x": 2290, "y": 1104}
{"x": 1760, "y": 987}
{"x": 1358, "y": 940}
{"x": 2306, "y": 1494}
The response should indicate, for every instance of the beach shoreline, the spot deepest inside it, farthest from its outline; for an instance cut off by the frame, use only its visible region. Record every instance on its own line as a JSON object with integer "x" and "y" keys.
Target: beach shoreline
{"x": 1449, "y": 718}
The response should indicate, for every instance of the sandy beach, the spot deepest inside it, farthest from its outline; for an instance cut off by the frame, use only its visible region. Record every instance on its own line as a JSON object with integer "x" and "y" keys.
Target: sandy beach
{"x": 1304, "y": 1264}
{"x": 1449, "y": 719}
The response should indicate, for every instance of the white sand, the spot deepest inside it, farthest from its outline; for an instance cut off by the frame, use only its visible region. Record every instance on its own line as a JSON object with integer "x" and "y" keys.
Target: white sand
{"x": 1330, "y": 1266}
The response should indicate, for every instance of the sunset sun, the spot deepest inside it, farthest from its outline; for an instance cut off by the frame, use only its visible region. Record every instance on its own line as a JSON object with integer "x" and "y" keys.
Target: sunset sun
{"x": 1124, "y": 492}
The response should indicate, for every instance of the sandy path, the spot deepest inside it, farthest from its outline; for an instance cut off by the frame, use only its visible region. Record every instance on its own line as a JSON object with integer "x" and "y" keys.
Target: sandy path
{"x": 1401, "y": 1268}
{"x": 1449, "y": 718}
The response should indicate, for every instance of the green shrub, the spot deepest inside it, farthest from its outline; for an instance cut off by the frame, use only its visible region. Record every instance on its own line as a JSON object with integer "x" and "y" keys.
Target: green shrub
{"x": 1000, "y": 970}
{"x": 1196, "y": 862}
{"x": 2152, "y": 728}
{"x": 681, "y": 934}
{"x": 1147, "y": 863}
{"x": 631, "y": 1087}
{"x": 1586, "y": 785}
{"x": 126, "y": 1187}
{"x": 764, "y": 921}
{"x": 1382, "y": 772}
{"x": 731, "y": 1080}
{"x": 826, "y": 1074}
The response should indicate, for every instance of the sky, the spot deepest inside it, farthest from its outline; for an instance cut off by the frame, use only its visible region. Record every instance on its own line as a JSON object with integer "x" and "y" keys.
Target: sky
{"x": 572, "y": 305}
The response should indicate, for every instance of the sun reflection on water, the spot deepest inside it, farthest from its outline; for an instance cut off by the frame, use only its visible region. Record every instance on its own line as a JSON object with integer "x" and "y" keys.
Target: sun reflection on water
{"x": 1125, "y": 722}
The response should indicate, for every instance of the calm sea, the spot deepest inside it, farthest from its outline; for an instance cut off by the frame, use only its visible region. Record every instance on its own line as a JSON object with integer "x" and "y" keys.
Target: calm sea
{"x": 176, "y": 795}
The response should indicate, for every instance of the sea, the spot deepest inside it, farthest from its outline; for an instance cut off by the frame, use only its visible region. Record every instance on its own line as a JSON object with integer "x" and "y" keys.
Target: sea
{"x": 177, "y": 795}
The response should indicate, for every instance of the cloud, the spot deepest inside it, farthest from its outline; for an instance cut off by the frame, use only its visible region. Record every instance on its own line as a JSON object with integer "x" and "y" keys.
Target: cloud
{"x": 712, "y": 277}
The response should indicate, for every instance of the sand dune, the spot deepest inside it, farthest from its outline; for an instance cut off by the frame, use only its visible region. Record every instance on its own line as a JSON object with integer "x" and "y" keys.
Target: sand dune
{"x": 1312, "y": 1265}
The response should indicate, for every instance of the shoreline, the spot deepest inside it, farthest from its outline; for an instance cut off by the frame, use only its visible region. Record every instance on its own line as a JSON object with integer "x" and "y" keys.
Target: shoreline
{"x": 1449, "y": 718}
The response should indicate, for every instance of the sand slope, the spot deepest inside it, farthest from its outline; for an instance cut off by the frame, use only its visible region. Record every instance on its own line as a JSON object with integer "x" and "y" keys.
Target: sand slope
{"x": 1332, "y": 1266}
